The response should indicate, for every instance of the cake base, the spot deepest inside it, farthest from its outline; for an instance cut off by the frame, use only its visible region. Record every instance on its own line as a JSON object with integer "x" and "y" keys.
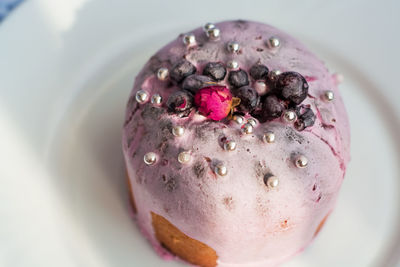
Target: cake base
{"x": 321, "y": 224}
{"x": 131, "y": 197}
{"x": 176, "y": 242}
{"x": 182, "y": 245}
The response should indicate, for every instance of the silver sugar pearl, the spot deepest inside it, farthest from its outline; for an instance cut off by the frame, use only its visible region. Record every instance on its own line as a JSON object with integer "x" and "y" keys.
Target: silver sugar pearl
{"x": 301, "y": 161}
{"x": 272, "y": 181}
{"x": 150, "y": 158}
{"x": 189, "y": 39}
{"x": 276, "y": 72}
{"x": 232, "y": 64}
{"x": 328, "y": 96}
{"x": 141, "y": 96}
{"x": 178, "y": 130}
{"x": 184, "y": 157}
{"x": 274, "y": 42}
{"x": 248, "y": 128}
{"x": 238, "y": 119}
{"x": 213, "y": 34}
{"x": 230, "y": 145}
{"x": 156, "y": 99}
{"x": 252, "y": 121}
{"x": 233, "y": 47}
{"x": 221, "y": 169}
{"x": 261, "y": 87}
{"x": 208, "y": 26}
{"x": 162, "y": 74}
{"x": 269, "y": 137}
{"x": 289, "y": 116}
{"x": 299, "y": 125}
{"x": 273, "y": 74}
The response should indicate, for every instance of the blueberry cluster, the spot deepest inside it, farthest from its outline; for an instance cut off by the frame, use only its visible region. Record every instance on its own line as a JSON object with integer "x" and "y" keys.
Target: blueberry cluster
{"x": 286, "y": 91}
{"x": 181, "y": 102}
{"x": 183, "y": 74}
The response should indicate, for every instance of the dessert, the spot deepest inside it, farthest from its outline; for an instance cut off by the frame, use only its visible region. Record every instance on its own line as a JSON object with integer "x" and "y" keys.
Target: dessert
{"x": 236, "y": 142}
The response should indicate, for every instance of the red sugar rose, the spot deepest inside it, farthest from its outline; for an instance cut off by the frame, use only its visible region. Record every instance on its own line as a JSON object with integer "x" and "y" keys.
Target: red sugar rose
{"x": 214, "y": 102}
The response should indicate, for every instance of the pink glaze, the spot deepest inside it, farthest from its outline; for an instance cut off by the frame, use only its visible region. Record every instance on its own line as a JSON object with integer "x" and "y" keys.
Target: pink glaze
{"x": 243, "y": 220}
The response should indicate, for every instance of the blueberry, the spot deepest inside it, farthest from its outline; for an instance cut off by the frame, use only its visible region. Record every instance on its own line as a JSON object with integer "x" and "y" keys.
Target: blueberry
{"x": 215, "y": 70}
{"x": 180, "y": 101}
{"x": 248, "y": 98}
{"x": 259, "y": 72}
{"x": 271, "y": 108}
{"x": 238, "y": 78}
{"x": 292, "y": 86}
{"x": 306, "y": 118}
{"x": 258, "y": 111}
{"x": 181, "y": 70}
{"x": 194, "y": 82}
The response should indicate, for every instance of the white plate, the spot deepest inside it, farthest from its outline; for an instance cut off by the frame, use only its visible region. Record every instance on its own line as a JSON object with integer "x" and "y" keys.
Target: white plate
{"x": 66, "y": 69}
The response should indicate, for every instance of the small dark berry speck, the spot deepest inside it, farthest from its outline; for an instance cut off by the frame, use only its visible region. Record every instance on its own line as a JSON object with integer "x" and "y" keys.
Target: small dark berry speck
{"x": 292, "y": 86}
{"x": 208, "y": 159}
{"x": 223, "y": 139}
{"x": 181, "y": 70}
{"x": 249, "y": 98}
{"x": 293, "y": 136}
{"x": 170, "y": 183}
{"x": 180, "y": 101}
{"x": 314, "y": 187}
{"x": 259, "y": 72}
{"x": 194, "y": 82}
{"x": 215, "y": 70}
{"x": 238, "y": 78}
{"x": 199, "y": 169}
{"x": 228, "y": 202}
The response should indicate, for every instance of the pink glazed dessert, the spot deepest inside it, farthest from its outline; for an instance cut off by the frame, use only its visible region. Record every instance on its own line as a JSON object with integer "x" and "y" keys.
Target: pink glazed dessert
{"x": 236, "y": 142}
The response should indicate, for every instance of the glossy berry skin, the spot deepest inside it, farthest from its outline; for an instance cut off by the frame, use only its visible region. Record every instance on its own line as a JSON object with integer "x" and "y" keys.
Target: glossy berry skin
{"x": 272, "y": 108}
{"x": 238, "y": 78}
{"x": 248, "y": 98}
{"x": 181, "y": 70}
{"x": 180, "y": 101}
{"x": 292, "y": 86}
{"x": 259, "y": 72}
{"x": 306, "y": 118}
{"x": 215, "y": 70}
{"x": 194, "y": 82}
